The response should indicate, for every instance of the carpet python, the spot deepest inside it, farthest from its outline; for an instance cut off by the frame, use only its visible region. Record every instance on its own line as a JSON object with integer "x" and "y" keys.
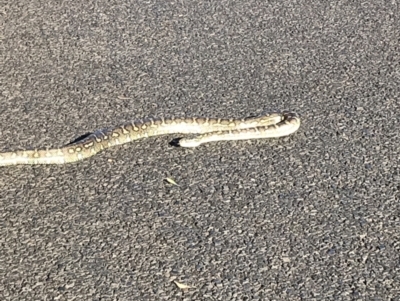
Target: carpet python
{"x": 207, "y": 129}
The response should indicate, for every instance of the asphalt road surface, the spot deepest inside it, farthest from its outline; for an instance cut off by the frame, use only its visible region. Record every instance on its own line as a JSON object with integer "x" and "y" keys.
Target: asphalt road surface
{"x": 314, "y": 216}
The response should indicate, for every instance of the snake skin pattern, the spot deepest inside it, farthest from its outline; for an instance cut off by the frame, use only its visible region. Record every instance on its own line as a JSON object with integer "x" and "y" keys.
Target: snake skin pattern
{"x": 208, "y": 129}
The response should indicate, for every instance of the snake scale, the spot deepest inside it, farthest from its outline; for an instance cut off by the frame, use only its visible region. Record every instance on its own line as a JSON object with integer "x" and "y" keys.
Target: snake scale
{"x": 208, "y": 129}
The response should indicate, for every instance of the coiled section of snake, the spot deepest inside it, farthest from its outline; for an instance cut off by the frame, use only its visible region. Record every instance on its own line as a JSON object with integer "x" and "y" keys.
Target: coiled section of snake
{"x": 208, "y": 129}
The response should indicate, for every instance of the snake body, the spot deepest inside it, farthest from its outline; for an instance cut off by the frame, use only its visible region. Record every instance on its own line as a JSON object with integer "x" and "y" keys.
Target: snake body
{"x": 208, "y": 129}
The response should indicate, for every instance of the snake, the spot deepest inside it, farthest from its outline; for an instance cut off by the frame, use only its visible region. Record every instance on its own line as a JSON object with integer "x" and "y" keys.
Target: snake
{"x": 199, "y": 129}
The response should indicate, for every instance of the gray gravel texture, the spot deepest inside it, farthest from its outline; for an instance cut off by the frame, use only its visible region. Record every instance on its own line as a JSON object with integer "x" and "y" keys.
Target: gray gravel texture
{"x": 314, "y": 216}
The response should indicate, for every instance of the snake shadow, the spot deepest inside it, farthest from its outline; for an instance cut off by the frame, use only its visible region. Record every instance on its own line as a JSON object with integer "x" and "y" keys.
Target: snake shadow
{"x": 174, "y": 142}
